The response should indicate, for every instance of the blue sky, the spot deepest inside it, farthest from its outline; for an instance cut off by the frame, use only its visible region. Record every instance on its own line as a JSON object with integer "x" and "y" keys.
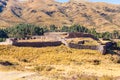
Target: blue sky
{"x": 109, "y": 1}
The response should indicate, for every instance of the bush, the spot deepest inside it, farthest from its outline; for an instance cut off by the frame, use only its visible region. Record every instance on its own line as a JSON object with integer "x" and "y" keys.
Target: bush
{"x": 24, "y": 60}
{"x": 42, "y": 68}
{"x": 39, "y": 68}
{"x": 3, "y": 34}
{"x": 49, "y": 68}
{"x": 96, "y": 62}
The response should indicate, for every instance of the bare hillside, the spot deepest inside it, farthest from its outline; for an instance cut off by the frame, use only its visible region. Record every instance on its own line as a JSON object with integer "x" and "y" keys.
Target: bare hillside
{"x": 101, "y": 16}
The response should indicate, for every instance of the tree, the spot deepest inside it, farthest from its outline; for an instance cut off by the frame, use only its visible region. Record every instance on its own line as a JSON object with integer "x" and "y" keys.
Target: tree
{"x": 107, "y": 35}
{"x": 115, "y": 34}
{"x": 65, "y": 29}
{"x": 45, "y": 29}
{"x": 3, "y": 34}
{"x": 78, "y": 28}
{"x": 53, "y": 28}
{"x": 24, "y": 30}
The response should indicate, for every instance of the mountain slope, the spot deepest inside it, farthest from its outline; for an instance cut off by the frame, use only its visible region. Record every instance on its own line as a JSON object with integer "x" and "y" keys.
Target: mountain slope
{"x": 102, "y": 16}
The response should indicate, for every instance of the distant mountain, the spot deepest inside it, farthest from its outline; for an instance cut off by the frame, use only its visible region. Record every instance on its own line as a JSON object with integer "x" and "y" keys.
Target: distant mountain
{"x": 102, "y": 16}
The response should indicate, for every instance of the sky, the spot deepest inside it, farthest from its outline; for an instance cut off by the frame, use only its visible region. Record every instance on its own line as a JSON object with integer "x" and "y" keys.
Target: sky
{"x": 109, "y": 1}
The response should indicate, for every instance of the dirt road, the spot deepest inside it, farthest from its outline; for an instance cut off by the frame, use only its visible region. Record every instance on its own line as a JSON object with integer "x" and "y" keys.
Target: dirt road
{"x": 13, "y": 75}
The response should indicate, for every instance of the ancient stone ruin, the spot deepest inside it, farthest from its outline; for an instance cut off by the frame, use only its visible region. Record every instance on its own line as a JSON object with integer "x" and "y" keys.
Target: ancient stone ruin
{"x": 56, "y": 39}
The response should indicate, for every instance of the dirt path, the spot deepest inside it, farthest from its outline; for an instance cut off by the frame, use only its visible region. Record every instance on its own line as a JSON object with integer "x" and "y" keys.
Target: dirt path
{"x": 13, "y": 75}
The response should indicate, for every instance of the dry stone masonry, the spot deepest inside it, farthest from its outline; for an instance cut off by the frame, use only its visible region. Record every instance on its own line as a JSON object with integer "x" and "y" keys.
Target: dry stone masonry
{"x": 56, "y": 39}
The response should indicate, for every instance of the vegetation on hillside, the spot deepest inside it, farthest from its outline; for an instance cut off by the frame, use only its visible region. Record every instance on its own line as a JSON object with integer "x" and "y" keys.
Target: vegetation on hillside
{"x": 21, "y": 31}
{"x": 102, "y": 16}
{"x": 78, "y": 28}
{"x": 28, "y": 30}
{"x": 24, "y": 30}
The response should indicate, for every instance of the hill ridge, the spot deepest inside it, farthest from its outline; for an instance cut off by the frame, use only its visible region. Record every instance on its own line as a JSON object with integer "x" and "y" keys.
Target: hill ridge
{"x": 102, "y": 16}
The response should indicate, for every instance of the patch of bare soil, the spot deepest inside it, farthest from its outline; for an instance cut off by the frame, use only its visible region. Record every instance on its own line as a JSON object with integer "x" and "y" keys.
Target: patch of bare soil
{"x": 14, "y": 75}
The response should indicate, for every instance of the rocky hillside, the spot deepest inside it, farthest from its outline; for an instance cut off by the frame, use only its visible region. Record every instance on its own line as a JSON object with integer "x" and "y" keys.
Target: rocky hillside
{"x": 102, "y": 16}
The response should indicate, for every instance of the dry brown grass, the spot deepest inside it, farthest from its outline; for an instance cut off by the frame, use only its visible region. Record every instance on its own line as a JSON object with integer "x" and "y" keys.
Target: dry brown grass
{"x": 88, "y": 41}
{"x": 59, "y": 62}
{"x": 102, "y": 16}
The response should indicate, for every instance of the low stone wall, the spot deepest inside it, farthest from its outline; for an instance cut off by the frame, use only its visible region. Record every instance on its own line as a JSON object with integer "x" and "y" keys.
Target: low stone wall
{"x": 41, "y": 38}
{"x": 78, "y": 34}
{"x": 37, "y": 44}
{"x": 77, "y": 46}
{"x": 100, "y": 48}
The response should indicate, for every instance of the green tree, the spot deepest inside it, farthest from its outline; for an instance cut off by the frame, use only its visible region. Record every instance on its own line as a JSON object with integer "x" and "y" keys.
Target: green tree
{"x": 45, "y": 29}
{"x": 3, "y": 34}
{"x": 107, "y": 35}
{"x": 53, "y": 28}
{"x": 115, "y": 34}
{"x": 78, "y": 28}
{"x": 65, "y": 29}
{"x": 24, "y": 30}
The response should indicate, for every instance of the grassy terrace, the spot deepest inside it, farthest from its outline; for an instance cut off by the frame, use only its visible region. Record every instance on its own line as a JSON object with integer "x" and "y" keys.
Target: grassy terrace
{"x": 90, "y": 41}
{"x": 60, "y": 62}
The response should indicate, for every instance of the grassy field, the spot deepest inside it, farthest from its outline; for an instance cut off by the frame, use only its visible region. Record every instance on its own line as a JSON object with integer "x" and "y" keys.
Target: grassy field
{"x": 60, "y": 63}
{"x": 88, "y": 41}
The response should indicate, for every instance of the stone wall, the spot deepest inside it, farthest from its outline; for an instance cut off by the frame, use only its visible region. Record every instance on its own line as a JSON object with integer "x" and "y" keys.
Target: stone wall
{"x": 78, "y": 34}
{"x": 41, "y": 38}
{"x": 77, "y": 46}
{"x": 37, "y": 44}
{"x": 53, "y": 39}
{"x": 100, "y": 48}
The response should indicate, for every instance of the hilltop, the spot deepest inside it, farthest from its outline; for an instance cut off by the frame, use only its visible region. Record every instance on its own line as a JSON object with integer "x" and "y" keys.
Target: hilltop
{"x": 102, "y": 16}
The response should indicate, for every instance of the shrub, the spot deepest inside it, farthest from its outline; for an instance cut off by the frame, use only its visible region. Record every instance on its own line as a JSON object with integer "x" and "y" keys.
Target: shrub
{"x": 39, "y": 68}
{"x": 24, "y": 60}
{"x": 42, "y": 68}
{"x": 3, "y": 34}
{"x": 49, "y": 68}
{"x": 96, "y": 62}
